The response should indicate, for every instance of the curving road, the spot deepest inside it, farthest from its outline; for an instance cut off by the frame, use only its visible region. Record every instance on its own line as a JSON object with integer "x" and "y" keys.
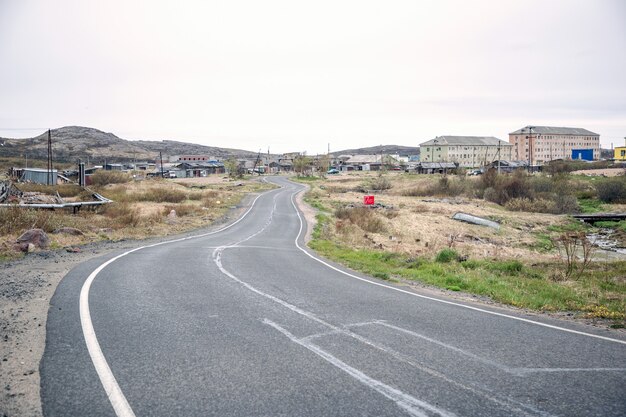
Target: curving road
{"x": 244, "y": 321}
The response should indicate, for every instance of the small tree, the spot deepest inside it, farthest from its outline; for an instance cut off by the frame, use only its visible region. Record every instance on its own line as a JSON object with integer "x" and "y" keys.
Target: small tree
{"x": 302, "y": 165}
{"x": 322, "y": 164}
{"x": 232, "y": 167}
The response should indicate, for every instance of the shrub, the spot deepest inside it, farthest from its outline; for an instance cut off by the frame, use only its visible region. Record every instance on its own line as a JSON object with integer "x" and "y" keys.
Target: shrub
{"x": 17, "y": 220}
{"x": 446, "y": 255}
{"x": 363, "y": 217}
{"x": 612, "y": 190}
{"x": 102, "y": 177}
{"x": 491, "y": 194}
{"x": 566, "y": 204}
{"x": 489, "y": 179}
{"x": 122, "y": 214}
{"x": 380, "y": 183}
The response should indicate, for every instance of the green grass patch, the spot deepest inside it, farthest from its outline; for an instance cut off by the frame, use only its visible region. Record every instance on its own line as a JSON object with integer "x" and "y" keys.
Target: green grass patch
{"x": 571, "y": 226}
{"x": 447, "y": 255}
{"x": 621, "y": 225}
{"x": 590, "y": 205}
{"x": 543, "y": 243}
{"x": 600, "y": 292}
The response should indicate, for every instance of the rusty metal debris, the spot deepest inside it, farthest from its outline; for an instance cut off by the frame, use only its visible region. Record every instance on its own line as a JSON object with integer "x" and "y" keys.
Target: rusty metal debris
{"x": 11, "y": 196}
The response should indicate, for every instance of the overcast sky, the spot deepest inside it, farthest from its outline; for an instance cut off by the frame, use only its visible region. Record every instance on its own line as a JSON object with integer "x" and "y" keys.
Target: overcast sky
{"x": 295, "y": 75}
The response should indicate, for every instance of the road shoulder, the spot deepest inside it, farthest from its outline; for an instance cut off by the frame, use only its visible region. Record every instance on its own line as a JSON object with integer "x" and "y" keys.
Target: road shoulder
{"x": 26, "y": 288}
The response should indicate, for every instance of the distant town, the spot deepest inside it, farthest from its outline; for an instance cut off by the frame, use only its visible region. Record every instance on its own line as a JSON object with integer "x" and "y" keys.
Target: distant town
{"x": 529, "y": 148}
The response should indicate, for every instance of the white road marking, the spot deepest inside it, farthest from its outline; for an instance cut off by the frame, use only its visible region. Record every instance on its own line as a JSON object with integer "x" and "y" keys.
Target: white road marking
{"x": 548, "y": 370}
{"x": 109, "y": 383}
{"x": 410, "y": 404}
{"x": 447, "y": 346}
{"x": 537, "y": 323}
{"x": 512, "y": 404}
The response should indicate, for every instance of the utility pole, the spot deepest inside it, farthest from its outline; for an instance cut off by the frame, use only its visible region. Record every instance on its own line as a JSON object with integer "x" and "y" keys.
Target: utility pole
{"x": 499, "y": 157}
{"x": 50, "y": 180}
{"x": 328, "y": 155}
{"x": 161, "y": 158}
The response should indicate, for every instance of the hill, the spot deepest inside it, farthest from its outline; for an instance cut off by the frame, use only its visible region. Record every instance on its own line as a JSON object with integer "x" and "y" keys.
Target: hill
{"x": 376, "y": 150}
{"x": 75, "y": 142}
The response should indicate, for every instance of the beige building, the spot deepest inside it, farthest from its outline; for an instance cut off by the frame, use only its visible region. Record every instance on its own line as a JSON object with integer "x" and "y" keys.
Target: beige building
{"x": 467, "y": 151}
{"x": 539, "y": 144}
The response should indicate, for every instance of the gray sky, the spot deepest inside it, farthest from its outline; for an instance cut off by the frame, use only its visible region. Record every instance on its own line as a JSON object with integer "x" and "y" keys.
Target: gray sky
{"x": 295, "y": 75}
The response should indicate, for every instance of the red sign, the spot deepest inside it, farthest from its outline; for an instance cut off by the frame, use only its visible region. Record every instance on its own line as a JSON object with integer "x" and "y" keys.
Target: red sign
{"x": 368, "y": 200}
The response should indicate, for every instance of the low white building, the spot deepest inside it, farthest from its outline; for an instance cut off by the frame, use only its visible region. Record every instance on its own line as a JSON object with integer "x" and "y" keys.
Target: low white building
{"x": 466, "y": 151}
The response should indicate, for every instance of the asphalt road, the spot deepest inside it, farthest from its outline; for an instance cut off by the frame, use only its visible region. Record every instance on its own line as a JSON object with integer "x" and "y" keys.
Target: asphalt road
{"x": 243, "y": 322}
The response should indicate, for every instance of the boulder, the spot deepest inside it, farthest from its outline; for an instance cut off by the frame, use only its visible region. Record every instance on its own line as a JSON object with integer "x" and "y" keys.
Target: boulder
{"x": 69, "y": 231}
{"x": 37, "y": 237}
{"x": 172, "y": 214}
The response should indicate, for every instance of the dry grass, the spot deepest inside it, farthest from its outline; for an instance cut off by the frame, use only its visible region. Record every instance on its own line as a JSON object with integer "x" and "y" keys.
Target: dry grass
{"x": 138, "y": 212}
{"x": 423, "y": 225}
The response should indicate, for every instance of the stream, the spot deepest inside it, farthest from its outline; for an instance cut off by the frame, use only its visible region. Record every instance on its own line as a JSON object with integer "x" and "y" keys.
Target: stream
{"x": 608, "y": 241}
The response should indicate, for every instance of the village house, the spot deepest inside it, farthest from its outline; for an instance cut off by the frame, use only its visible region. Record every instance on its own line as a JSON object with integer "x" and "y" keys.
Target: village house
{"x": 365, "y": 162}
{"x": 196, "y": 169}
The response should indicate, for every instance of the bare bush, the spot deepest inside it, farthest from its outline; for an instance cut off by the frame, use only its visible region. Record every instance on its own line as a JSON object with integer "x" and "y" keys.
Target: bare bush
{"x": 122, "y": 215}
{"x": 572, "y": 245}
{"x": 612, "y": 190}
{"x": 380, "y": 183}
{"x": 363, "y": 217}
{"x": 16, "y": 220}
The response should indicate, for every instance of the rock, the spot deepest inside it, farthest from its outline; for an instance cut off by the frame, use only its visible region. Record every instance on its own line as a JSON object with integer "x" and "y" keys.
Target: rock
{"x": 69, "y": 231}
{"x": 73, "y": 250}
{"x": 30, "y": 248}
{"x": 172, "y": 214}
{"x": 35, "y": 236}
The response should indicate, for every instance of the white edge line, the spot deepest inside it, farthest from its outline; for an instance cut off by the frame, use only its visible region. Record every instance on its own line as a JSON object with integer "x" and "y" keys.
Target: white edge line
{"x": 538, "y": 323}
{"x": 109, "y": 383}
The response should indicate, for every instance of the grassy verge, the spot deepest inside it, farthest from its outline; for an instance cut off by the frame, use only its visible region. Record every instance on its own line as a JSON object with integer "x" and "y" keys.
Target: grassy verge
{"x": 140, "y": 210}
{"x": 599, "y": 292}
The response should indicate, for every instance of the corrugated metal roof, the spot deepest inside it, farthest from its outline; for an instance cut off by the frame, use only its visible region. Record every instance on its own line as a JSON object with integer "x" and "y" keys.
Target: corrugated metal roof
{"x": 364, "y": 159}
{"x": 435, "y": 165}
{"x": 466, "y": 141}
{"x": 38, "y": 170}
{"x": 551, "y": 130}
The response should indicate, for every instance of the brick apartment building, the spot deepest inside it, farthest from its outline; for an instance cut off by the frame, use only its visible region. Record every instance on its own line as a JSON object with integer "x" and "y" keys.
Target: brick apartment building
{"x": 539, "y": 144}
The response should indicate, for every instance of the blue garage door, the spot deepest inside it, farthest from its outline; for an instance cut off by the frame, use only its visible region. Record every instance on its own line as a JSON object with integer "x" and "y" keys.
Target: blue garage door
{"x": 584, "y": 154}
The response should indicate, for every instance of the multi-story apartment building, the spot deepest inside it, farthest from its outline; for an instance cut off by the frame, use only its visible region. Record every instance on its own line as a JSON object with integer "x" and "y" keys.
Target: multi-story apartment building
{"x": 539, "y": 144}
{"x": 467, "y": 151}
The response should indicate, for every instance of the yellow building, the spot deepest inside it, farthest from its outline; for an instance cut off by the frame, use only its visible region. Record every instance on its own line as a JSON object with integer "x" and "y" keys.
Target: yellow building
{"x": 620, "y": 153}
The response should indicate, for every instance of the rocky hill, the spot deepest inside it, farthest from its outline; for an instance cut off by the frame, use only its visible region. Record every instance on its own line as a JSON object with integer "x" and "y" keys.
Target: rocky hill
{"x": 377, "y": 150}
{"x": 75, "y": 142}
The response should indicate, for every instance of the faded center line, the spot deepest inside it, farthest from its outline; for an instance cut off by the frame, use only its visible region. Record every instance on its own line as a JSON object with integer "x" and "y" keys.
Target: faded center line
{"x": 411, "y": 405}
{"x": 506, "y": 402}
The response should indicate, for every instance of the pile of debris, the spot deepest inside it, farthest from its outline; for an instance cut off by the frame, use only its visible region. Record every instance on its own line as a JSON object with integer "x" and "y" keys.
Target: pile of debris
{"x": 9, "y": 193}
